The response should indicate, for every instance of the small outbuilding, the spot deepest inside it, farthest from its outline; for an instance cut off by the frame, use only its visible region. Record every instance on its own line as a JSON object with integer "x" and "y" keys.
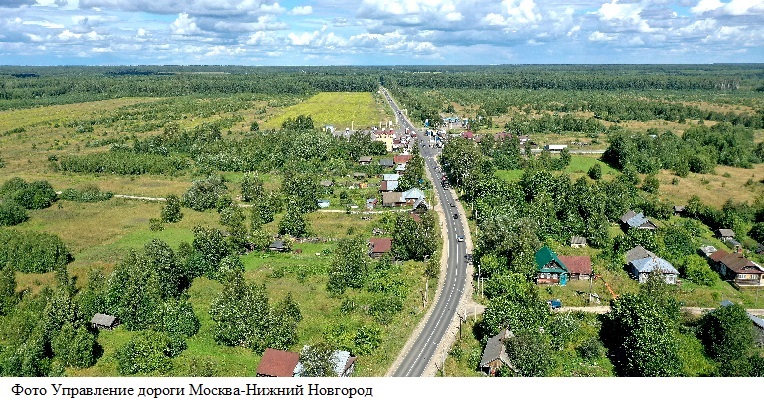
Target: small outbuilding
{"x": 104, "y": 321}
{"x": 278, "y": 363}
{"x": 577, "y": 241}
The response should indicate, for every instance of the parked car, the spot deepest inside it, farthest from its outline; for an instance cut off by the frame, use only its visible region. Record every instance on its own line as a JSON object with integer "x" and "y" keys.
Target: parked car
{"x": 554, "y": 303}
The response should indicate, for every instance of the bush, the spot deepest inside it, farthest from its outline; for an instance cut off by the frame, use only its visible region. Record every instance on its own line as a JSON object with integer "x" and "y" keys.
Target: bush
{"x": 147, "y": 352}
{"x": 31, "y": 252}
{"x": 11, "y": 213}
{"x": 171, "y": 210}
{"x": 89, "y": 194}
{"x": 36, "y": 195}
{"x": 204, "y": 194}
{"x": 696, "y": 269}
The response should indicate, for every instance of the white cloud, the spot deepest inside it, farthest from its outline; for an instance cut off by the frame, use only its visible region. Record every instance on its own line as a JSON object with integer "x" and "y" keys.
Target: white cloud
{"x": 302, "y": 10}
{"x": 706, "y": 5}
{"x": 598, "y": 36}
{"x": 184, "y": 25}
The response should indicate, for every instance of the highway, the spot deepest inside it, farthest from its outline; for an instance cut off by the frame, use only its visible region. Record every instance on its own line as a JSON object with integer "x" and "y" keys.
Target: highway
{"x": 421, "y": 353}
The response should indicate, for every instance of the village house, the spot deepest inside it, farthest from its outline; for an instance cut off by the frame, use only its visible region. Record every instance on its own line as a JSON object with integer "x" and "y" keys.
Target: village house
{"x": 391, "y": 176}
{"x": 388, "y": 185}
{"x": 495, "y": 354}
{"x": 738, "y": 269}
{"x": 278, "y": 363}
{"x": 636, "y": 220}
{"x": 379, "y": 246}
{"x": 402, "y": 158}
{"x": 640, "y": 263}
{"x": 725, "y": 234}
{"x": 278, "y": 246}
{"x": 393, "y": 199}
{"x": 412, "y": 195}
{"x": 580, "y": 266}
{"x": 400, "y": 169}
{"x": 551, "y": 270}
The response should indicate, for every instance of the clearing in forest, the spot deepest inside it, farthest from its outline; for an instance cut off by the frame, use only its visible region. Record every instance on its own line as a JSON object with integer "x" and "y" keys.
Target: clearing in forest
{"x": 340, "y": 109}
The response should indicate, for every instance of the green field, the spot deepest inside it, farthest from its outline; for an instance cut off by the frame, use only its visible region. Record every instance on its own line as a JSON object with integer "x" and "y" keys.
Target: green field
{"x": 340, "y": 109}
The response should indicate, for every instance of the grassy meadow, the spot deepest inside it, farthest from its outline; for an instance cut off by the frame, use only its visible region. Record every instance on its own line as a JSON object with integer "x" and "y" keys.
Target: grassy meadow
{"x": 340, "y": 109}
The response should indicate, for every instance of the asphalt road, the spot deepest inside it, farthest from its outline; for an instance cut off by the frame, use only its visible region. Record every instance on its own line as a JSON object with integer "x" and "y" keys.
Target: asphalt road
{"x": 421, "y": 353}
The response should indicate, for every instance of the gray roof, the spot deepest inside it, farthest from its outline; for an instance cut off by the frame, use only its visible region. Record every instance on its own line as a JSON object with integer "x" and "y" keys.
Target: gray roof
{"x": 391, "y": 176}
{"x": 636, "y": 253}
{"x": 637, "y": 220}
{"x": 277, "y": 244}
{"x": 726, "y": 232}
{"x": 577, "y": 240}
{"x": 103, "y": 319}
{"x": 386, "y": 162}
{"x": 629, "y": 214}
{"x": 494, "y": 349}
{"x": 413, "y": 193}
{"x": 650, "y": 264}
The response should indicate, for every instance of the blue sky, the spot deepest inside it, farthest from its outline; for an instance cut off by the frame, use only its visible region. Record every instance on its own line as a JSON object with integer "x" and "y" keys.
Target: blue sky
{"x": 379, "y": 32}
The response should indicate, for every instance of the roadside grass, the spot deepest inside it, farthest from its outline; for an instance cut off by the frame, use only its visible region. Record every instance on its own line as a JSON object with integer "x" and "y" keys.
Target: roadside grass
{"x": 340, "y": 109}
{"x": 738, "y": 184}
{"x": 464, "y": 355}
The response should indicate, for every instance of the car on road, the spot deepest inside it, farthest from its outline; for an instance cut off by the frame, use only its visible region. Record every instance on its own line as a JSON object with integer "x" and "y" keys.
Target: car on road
{"x": 452, "y": 204}
{"x": 456, "y": 215}
{"x": 460, "y": 238}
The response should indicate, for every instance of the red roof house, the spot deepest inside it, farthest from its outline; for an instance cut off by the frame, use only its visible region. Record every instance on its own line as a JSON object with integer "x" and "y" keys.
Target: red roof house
{"x": 277, "y": 363}
{"x": 402, "y": 158}
{"x": 379, "y": 246}
{"x": 580, "y": 267}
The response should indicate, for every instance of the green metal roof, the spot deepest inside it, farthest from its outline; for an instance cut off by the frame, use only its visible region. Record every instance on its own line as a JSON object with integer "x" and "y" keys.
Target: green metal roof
{"x": 545, "y": 256}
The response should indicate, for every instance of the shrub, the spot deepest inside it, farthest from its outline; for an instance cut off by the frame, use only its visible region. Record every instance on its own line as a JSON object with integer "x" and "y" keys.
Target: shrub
{"x": 204, "y": 194}
{"x": 88, "y": 194}
{"x": 11, "y": 213}
{"x": 31, "y": 252}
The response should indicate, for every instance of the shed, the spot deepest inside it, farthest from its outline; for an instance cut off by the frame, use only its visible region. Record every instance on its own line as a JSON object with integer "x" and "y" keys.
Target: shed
{"x": 364, "y": 160}
{"x": 393, "y": 199}
{"x": 708, "y": 250}
{"x": 278, "y": 363}
{"x": 386, "y": 162}
{"x": 322, "y": 203}
{"x": 577, "y": 241}
{"x": 278, "y": 245}
{"x": 104, "y": 321}
{"x": 326, "y": 183}
{"x": 678, "y": 210}
{"x": 725, "y": 234}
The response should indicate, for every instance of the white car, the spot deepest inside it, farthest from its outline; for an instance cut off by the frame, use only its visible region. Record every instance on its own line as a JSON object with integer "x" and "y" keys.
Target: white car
{"x": 460, "y": 238}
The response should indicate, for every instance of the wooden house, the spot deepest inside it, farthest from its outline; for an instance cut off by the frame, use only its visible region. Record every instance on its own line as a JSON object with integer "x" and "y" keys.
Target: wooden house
{"x": 393, "y": 199}
{"x": 551, "y": 270}
{"x": 495, "y": 354}
{"x": 725, "y": 234}
{"x": 735, "y": 267}
{"x": 364, "y": 160}
{"x": 580, "y": 266}
{"x": 637, "y": 220}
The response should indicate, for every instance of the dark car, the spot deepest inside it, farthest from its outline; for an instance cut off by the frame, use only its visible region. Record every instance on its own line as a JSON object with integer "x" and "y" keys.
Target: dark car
{"x": 456, "y": 215}
{"x": 452, "y": 204}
